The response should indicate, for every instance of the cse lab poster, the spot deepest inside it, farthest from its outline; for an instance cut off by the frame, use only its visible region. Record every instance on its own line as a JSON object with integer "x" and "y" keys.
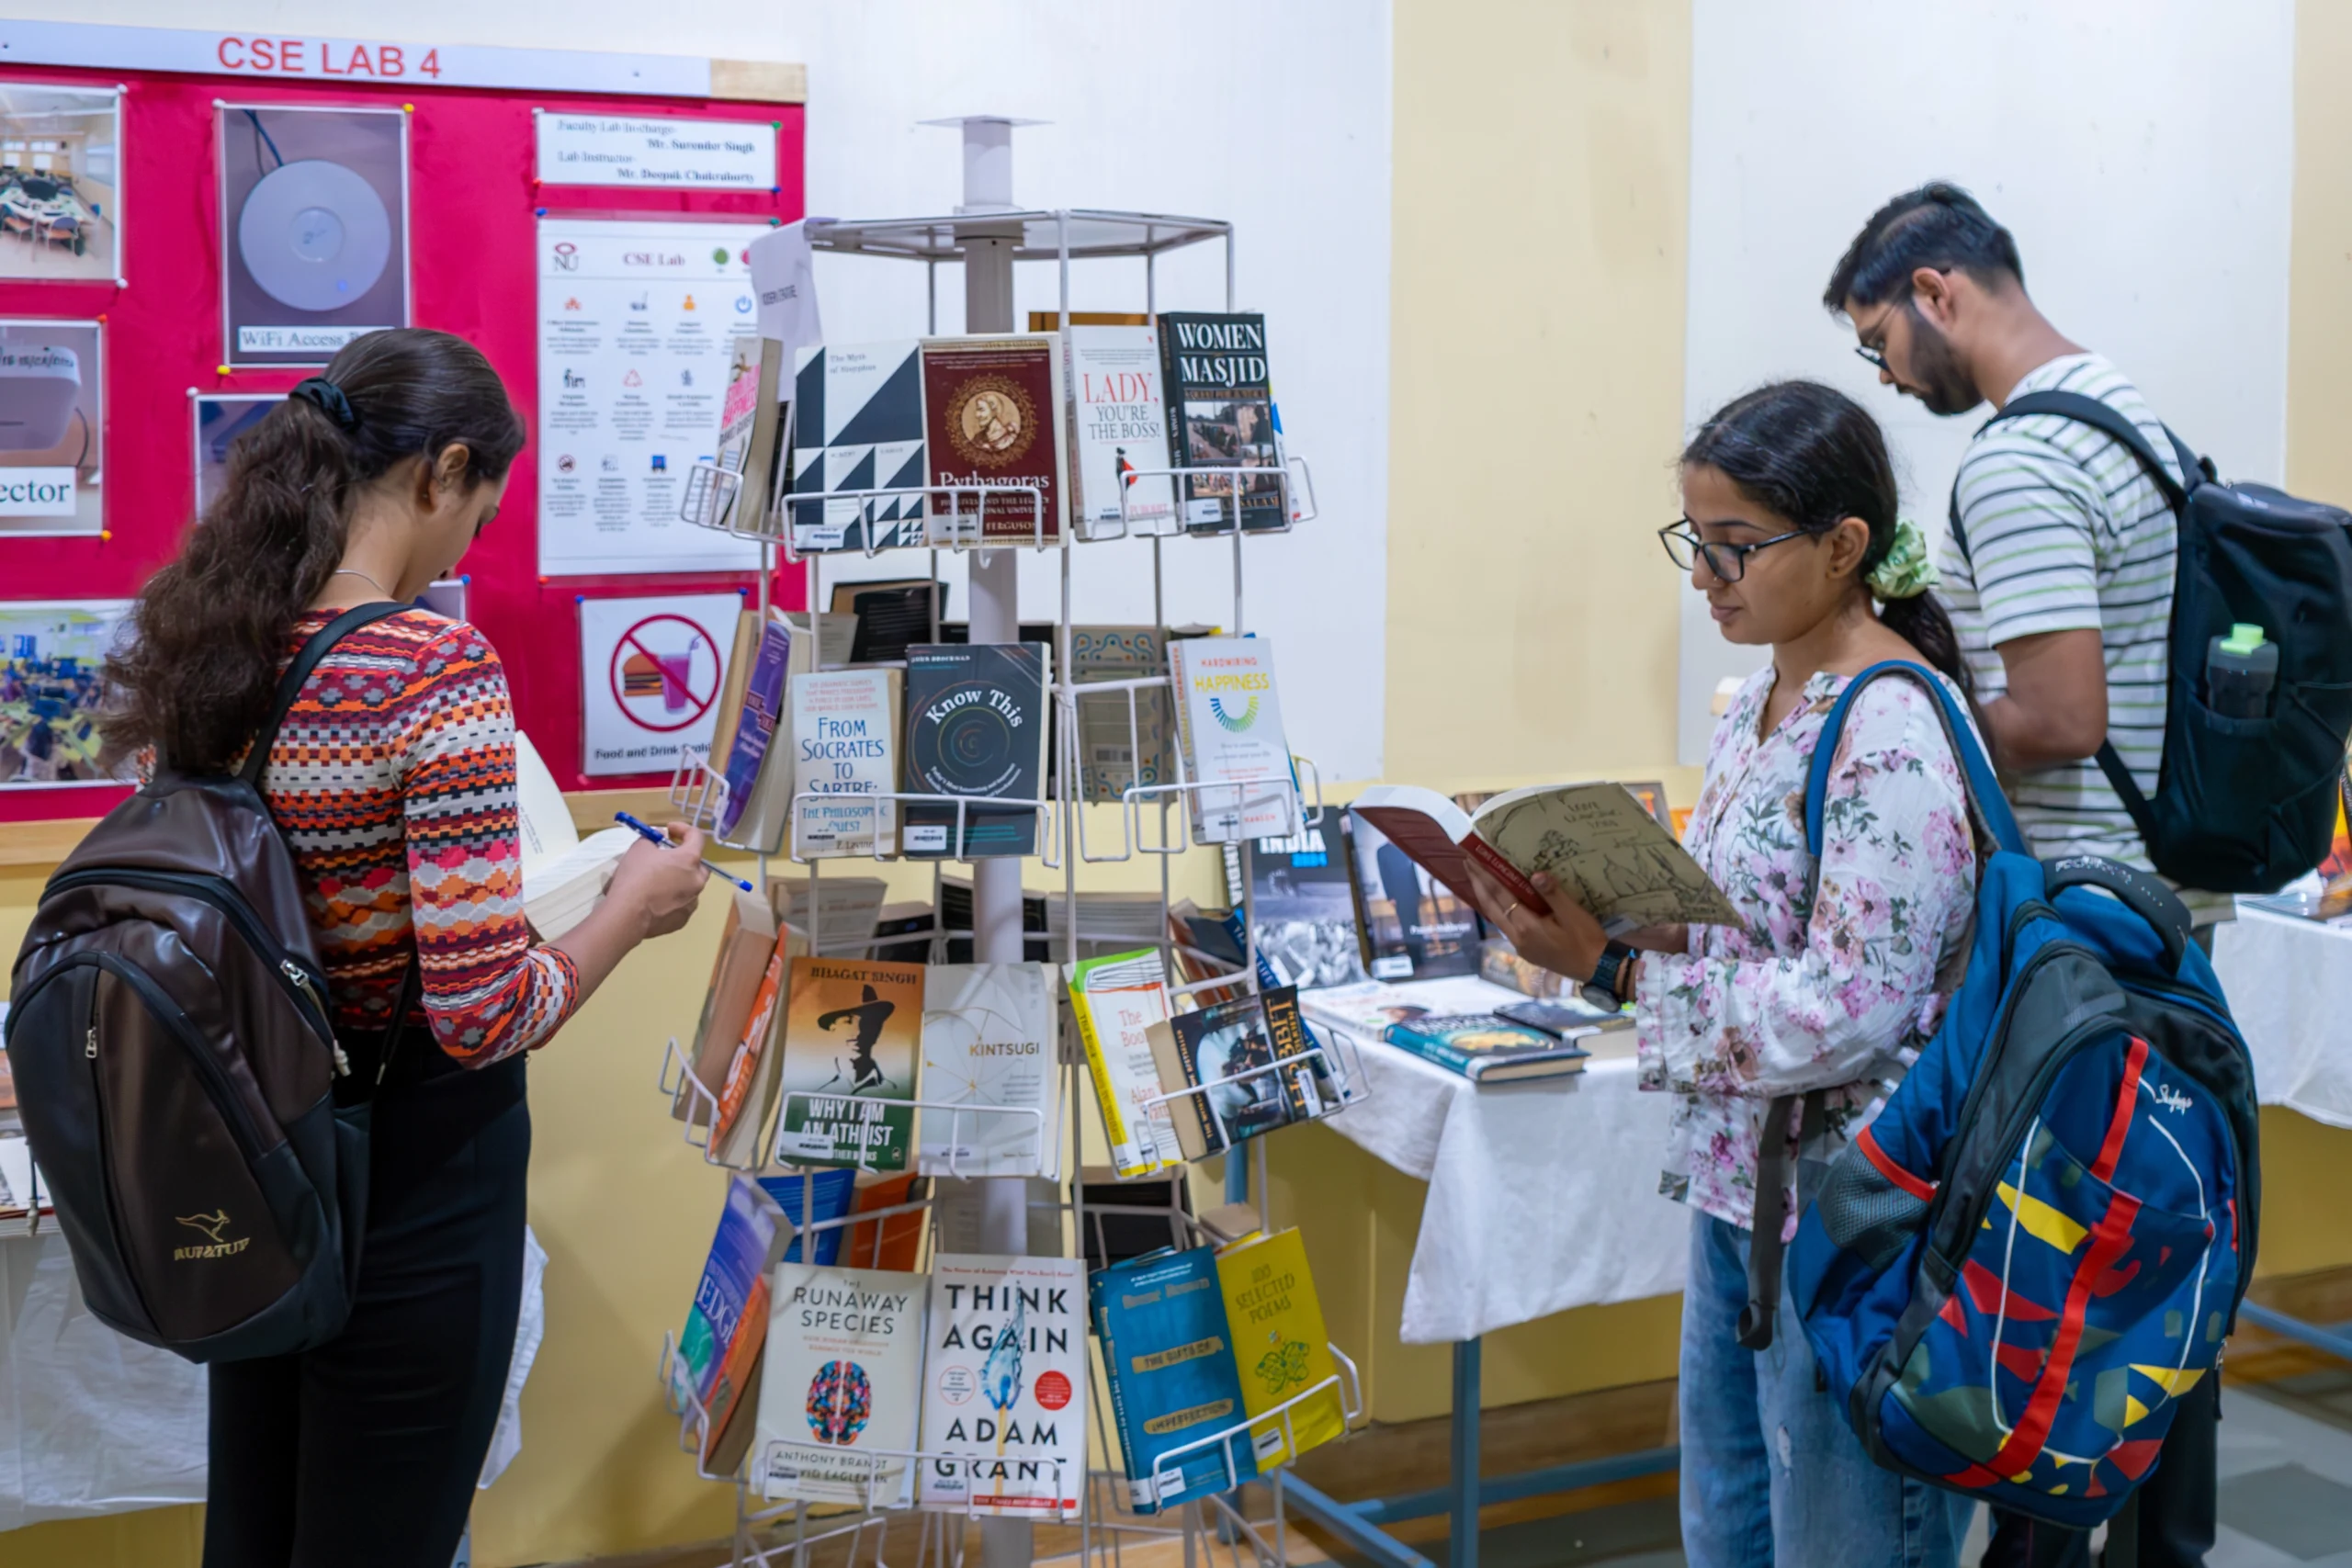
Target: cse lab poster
{"x": 638, "y": 323}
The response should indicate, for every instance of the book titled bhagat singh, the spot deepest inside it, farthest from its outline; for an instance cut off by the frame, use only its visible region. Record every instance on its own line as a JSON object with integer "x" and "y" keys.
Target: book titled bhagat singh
{"x": 851, "y": 1032}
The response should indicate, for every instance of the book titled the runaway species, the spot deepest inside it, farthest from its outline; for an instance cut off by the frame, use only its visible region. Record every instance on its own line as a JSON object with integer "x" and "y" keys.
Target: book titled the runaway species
{"x": 1004, "y": 1386}
{"x": 843, "y": 1386}
{"x": 1167, "y": 1357}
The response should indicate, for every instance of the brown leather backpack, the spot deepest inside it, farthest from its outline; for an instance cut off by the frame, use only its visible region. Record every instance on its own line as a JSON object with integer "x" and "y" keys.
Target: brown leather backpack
{"x": 176, "y": 1060}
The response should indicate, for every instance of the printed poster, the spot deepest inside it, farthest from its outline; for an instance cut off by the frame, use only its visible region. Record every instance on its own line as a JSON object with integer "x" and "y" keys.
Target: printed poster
{"x": 639, "y": 320}
{"x": 50, "y": 691}
{"x": 53, "y": 427}
{"x": 654, "y": 152}
{"x": 649, "y": 673}
{"x": 314, "y": 227}
{"x": 60, "y": 181}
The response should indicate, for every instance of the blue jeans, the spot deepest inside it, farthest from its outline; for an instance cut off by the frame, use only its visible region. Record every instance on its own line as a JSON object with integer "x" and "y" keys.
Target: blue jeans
{"x": 1773, "y": 1477}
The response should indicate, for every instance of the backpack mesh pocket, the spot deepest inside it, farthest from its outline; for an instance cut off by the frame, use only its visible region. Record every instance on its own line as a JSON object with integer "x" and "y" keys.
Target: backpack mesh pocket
{"x": 1867, "y": 1214}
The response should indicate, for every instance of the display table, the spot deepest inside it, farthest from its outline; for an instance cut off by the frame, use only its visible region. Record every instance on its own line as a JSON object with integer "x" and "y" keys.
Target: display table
{"x": 2290, "y": 984}
{"x": 1542, "y": 1196}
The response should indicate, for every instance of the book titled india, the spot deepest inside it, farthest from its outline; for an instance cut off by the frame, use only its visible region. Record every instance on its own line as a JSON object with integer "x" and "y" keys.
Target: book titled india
{"x": 842, "y": 1392}
{"x": 1168, "y": 1358}
{"x": 1279, "y": 1349}
{"x": 976, "y": 726}
{"x": 992, "y": 420}
{"x": 1004, "y": 1386}
{"x": 1221, "y": 415}
{"x": 852, "y": 1030}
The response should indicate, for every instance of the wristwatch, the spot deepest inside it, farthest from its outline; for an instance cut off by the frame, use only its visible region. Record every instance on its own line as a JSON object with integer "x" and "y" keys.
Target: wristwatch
{"x": 1606, "y": 990}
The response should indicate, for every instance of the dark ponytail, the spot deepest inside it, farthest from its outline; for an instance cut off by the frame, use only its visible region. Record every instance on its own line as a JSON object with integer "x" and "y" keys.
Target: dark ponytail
{"x": 210, "y": 631}
{"x": 1812, "y": 456}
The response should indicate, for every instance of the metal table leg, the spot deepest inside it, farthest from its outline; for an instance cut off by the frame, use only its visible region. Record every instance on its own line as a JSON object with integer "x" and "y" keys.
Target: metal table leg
{"x": 1461, "y": 1544}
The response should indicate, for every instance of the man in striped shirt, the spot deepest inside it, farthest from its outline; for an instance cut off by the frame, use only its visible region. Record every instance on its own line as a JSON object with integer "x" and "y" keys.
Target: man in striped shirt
{"x": 2058, "y": 572}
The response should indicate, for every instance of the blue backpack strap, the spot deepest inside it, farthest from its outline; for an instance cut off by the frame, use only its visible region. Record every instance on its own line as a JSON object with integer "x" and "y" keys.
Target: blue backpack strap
{"x": 1984, "y": 796}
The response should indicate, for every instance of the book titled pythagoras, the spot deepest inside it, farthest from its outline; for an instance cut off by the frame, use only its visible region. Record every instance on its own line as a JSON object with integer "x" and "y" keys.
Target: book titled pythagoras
{"x": 850, "y": 1035}
{"x": 976, "y": 726}
{"x": 1117, "y": 1000}
{"x": 1229, "y": 723}
{"x": 845, "y": 755}
{"x": 1221, "y": 415}
{"x": 990, "y": 1086}
{"x": 1279, "y": 1346}
{"x": 843, "y": 1389}
{"x": 1119, "y": 424}
{"x": 1167, "y": 1357}
{"x": 992, "y": 419}
{"x": 858, "y": 426}
{"x": 1004, "y": 1386}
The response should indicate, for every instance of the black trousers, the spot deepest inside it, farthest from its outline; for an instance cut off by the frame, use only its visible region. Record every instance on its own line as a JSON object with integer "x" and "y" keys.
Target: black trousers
{"x": 2175, "y": 1504}
{"x": 363, "y": 1453}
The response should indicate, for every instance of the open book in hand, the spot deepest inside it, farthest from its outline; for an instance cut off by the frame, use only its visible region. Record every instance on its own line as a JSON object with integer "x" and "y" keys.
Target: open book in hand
{"x": 1595, "y": 840}
{"x": 564, "y": 875}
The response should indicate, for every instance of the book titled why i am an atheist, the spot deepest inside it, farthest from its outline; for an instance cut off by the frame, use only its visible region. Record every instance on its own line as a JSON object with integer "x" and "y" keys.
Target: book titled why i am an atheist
{"x": 1168, "y": 1355}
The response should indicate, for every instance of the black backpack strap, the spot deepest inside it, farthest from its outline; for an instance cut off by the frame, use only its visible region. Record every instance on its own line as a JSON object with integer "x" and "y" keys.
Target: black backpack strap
{"x": 290, "y": 685}
{"x": 1776, "y": 1156}
{"x": 2109, "y": 421}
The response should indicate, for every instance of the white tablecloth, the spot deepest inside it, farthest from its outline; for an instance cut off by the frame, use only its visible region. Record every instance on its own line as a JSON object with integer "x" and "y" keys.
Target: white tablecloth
{"x": 2290, "y": 984}
{"x": 1543, "y": 1195}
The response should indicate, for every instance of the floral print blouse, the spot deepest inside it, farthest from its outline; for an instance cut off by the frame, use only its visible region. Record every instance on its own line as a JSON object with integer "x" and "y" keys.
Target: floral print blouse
{"x": 1835, "y": 991}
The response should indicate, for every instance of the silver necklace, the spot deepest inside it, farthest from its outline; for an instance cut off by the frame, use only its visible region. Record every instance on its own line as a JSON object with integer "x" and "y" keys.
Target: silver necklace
{"x": 348, "y": 571}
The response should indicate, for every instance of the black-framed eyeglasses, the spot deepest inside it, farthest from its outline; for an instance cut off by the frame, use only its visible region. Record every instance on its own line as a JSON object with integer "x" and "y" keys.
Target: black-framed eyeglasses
{"x": 1727, "y": 561}
{"x": 1873, "y": 357}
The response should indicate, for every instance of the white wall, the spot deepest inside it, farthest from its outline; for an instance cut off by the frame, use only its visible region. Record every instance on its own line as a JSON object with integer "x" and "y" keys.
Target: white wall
{"x": 2142, "y": 151}
{"x": 1274, "y": 117}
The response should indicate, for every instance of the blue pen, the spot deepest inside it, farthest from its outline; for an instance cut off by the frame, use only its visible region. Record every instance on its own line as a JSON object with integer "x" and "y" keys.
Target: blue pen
{"x": 656, "y": 836}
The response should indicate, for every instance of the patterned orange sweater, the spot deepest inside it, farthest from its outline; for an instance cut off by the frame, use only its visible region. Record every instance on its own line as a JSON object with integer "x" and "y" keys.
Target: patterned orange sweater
{"x": 393, "y": 780}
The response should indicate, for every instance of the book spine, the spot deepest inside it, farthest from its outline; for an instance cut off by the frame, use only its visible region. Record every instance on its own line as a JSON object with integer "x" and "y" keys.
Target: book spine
{"x": 1171, "y": 397}
{"x": 1436, "y": 1052}
{"x": 1514, "y": 880}
{"x": 1137, "y": 1489}
{"x": 1125, "y": 1155}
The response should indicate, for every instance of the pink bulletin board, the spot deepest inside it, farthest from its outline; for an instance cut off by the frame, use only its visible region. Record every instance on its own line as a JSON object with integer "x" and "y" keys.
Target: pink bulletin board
{"x": 473, "y": 204}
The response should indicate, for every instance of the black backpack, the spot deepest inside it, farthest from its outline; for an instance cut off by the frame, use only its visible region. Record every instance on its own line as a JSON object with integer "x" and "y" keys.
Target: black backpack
{"x": 175, "y": 1065}
{"x": 2242, "y": 805}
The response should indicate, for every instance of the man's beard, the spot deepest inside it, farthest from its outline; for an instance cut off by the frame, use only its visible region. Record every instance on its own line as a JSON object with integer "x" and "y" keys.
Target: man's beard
{"x": 1938, "y": 382}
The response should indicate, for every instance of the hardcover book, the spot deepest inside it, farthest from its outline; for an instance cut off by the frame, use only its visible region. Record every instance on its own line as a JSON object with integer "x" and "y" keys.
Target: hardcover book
{"x": 1229, "y": 723}
{"x": 1119, "y": 424}
{"x": 1487, "y": 1049}
{"x": 1004, "y": 1386}
{"x": 845, "y": 752}
{"x": 850, "y": 1032}
{"x": 1221, "y": 414}
{"x": 1302, "y": 903}
{"x": 1117, "y": 1000}
{"x": 976, "y": 726}
{"x": 1597, "y": 840}
{"x": 993, "y": 416}
{"x": 1168, "y": 1360}
{"x": 1279, "y": 1348}
{"x": 842, "y": 1393}
{"x": 858, "y": 427}
{"x": 1410, "y": 925}
{"x": 988, "y": 1042}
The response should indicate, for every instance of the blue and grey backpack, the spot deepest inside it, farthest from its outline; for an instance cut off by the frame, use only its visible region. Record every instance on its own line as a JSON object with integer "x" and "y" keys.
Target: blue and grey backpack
{"x": 2040, "y": 1244}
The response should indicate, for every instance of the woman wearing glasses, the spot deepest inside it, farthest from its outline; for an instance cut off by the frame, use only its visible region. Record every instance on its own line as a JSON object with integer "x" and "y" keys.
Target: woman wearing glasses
{"x": 1790, "y": 530}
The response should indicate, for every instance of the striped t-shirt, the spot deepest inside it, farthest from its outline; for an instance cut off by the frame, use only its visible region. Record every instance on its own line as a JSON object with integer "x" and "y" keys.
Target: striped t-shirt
{"x": 2066, "y": 532}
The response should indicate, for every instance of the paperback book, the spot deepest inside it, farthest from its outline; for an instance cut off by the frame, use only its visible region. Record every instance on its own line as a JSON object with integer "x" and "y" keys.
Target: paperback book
{"x": 564, "y": 875}
{"x": 1302, "y": 902}
{"x": 891, "y": 616}
{"x": 858, "y": 427}
{"x": 719, "y": 1353}
{"x": 746, "y": 946}
{"x": 1410, "y": 925}
{"x": 1229, "y": 723}
{"x": 1117, "y": 1000}
{"x": 976, "y": 726}
{"x": 845, "y": 727}
{"x": 827, "y": 1195}
{"x": 1004, "y": 1386}
{"x": 993, "y": 416}
{"x": 1213, "y": 1048}
{"x": 987, "y": 1049}
{"x": 1168, "y": 1360}
{"x": 1221, "y": 414}
{"x": 1118, "y": 426}
{"x": 1485, "y": 1048}
{"x": 1606, "y": 852}
{"x": 744, "y": 1091}
{"x": 1281, "y": 1351}
{"x": 852, "y": 1033}
{"x": 842, "y": 1395}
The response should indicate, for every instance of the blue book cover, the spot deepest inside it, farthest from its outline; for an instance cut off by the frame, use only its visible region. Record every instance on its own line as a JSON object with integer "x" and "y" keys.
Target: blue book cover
{"x": 833, "y": 1192}
{"x": 1168, "y": 1355}
{"x": 734, "y": 1276}
{"x": 763, "y": 694}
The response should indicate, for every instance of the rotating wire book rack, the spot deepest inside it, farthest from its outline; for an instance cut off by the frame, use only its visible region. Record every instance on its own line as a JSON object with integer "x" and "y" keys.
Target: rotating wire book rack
{"x": 771, "y": 1534}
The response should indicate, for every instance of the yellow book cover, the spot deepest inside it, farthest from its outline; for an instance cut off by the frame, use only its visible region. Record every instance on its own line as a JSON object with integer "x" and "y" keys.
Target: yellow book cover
{"x": 1279, "y": 1345}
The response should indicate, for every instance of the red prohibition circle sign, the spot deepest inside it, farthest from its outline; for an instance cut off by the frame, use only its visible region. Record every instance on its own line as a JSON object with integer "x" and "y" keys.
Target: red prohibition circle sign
{"x": 697, "y": 703}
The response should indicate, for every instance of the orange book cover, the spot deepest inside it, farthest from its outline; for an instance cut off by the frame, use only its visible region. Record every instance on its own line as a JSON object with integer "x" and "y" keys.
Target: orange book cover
{"x": 743, "y": 1071}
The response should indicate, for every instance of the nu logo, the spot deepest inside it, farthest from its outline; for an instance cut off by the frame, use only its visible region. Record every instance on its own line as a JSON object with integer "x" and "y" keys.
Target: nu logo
{"x": 1235, "y": 721}
{"x": 209, "y": 1225}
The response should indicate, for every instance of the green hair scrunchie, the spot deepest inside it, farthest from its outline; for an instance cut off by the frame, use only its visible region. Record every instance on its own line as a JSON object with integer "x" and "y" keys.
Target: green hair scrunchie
{"x": 1905, "y": 572}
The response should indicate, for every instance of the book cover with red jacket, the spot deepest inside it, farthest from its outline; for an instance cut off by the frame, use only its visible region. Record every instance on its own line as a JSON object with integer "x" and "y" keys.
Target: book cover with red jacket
{"x": 993, "y": 418}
